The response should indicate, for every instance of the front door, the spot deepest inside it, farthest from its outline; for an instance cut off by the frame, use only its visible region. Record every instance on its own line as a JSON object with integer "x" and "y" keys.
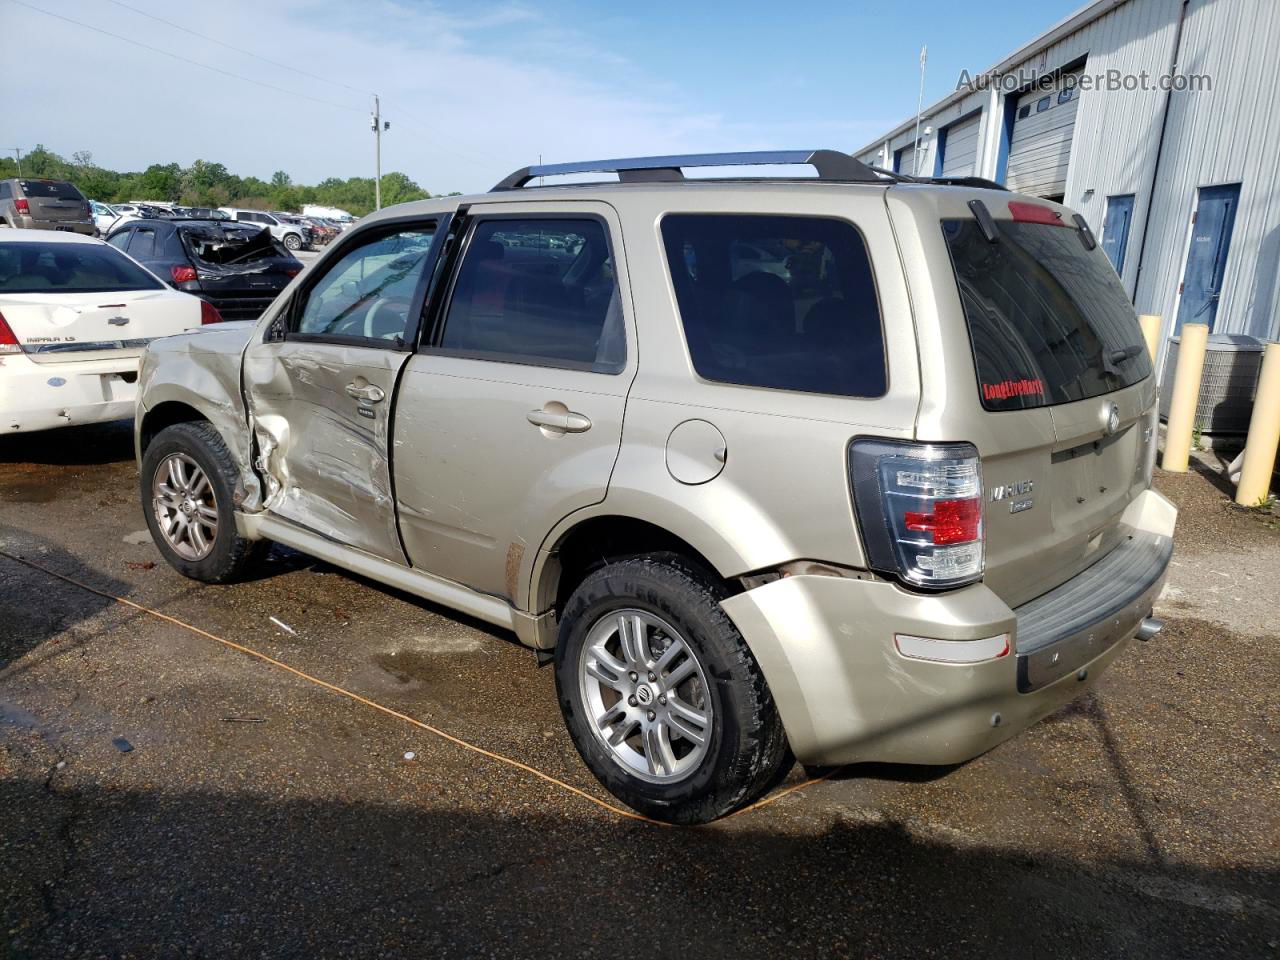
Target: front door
{"x": 510, "y": 418}
{"x": 1207, "y": 257}
{"x": 1115, "y": 229}
{"x": 320, "y": 387}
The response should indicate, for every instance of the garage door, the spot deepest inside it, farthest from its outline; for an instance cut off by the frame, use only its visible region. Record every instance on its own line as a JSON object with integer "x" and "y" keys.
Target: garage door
{"x": 904, "y": 159}
{"x": 1040, "y": 148}
{"x": 960, "y": 149}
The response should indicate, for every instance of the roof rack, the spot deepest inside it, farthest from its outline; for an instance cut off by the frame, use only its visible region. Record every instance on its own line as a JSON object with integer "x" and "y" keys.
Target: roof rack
{"x": 830, "y": 164}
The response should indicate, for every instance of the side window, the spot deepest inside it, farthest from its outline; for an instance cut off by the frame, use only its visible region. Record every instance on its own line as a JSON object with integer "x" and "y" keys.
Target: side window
{"x": 801, "y": 314}
{"x": 369, "y": 291}
{"x": 540, "y": 292}
{"x": 5, "y": 190}
{"x": 143, "y": 243}
{"x": 120, "y": 240}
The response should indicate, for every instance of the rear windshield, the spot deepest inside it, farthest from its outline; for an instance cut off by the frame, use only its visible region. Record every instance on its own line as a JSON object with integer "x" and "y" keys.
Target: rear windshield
{"x": 58, "y": 189}
{"x": 1049, "y": 321}
{"x": 69, "y": 268}
{"x": 786, "y": 302}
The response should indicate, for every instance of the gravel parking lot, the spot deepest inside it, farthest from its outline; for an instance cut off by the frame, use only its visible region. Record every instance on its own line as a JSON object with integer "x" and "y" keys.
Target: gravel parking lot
{"x": 166, "y": 796}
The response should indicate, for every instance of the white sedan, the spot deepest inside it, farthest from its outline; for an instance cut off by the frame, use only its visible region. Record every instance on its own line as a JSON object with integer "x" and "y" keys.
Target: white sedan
{"x": 76, "y": 316}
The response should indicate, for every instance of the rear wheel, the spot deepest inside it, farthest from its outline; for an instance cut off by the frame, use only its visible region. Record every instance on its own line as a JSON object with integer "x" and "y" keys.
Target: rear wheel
{"x": 293, "y": 241}
{"x": 188, "y": 479}
{"x": 663, "y": 699}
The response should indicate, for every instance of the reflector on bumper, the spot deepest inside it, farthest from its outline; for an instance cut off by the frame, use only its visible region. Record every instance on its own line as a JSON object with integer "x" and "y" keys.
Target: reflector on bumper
{"x": 952, "y": 651}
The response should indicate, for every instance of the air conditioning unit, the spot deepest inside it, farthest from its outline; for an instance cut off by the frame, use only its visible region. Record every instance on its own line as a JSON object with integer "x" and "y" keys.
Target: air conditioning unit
{"x": 1227, "y": 385}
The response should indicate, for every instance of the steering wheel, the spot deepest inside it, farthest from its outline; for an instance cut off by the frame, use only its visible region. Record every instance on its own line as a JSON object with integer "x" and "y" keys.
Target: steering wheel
{"x": 393, "y": 303}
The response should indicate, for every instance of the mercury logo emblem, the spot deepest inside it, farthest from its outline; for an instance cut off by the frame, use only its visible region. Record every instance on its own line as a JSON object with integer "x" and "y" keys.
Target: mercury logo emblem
{"x": 643, "y": 693}
{"x": 1111, "y": 422}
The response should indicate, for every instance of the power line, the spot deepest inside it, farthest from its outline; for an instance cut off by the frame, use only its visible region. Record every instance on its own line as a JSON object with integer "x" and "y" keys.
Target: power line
{"x": 181, "y": 59}
{"x": 248, "y": 53}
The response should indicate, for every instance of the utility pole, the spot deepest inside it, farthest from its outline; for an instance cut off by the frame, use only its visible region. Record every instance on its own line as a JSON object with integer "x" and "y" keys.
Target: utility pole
{"x": 378, "y": 126}
{"x": 915, "y": 154}
{"x": 18, "y": 153}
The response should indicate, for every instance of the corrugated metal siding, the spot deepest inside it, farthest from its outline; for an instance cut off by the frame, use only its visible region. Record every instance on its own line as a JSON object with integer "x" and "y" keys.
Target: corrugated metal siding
{"x": 1228, "y": 135}
{"x": 960, "y": 152}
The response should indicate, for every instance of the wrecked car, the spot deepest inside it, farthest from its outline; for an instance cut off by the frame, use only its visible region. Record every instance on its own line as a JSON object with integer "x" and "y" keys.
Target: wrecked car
{"x": 847, "y": 467}
{"x": 75, "y": 316}
{"x": 238, "y": 268}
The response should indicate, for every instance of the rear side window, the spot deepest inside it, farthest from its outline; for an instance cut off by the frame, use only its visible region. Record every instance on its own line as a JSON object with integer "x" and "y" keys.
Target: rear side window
{"x": 541, "y": 292}
{"x": 69, "y": 268}
{"x": 56, "y": 189}
{"x": 777, "y": 301}
{"x": 143, "y": 243}
{"x": 1049, "y": 321}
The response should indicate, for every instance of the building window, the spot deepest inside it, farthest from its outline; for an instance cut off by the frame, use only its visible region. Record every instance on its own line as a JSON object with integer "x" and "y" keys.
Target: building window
{"x": 1042, "y": 104}
{"x": 1024, "y": 112}
{"x": 1066, "y": 94}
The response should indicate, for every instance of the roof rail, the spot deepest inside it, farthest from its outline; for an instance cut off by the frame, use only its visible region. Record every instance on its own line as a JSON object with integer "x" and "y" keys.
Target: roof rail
{"x": 979, "y": 182}
{"x": 830, "y": 164}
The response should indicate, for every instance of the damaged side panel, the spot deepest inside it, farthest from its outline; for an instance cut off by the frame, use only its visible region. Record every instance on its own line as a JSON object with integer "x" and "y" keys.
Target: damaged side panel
{"x": 320, "y": 415}
{"x": 201, "y": 370}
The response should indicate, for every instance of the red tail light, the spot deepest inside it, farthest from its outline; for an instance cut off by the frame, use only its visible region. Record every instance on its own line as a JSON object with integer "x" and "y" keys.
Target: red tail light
{"x": 209, "y": 313}
{"x": 182, "y": 274}
{"x": 919, "y": 508}
{"x": 293, "y": 271}
{"x": 8, "y": 342}
{"x": 22, "y": 205}
{"x": 1035, "y": 213}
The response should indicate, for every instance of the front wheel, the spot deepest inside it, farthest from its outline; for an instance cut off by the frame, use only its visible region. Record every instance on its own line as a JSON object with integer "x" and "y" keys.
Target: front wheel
{"x": 661, "y": 695}
{"x": 293, "y": 241}
{"x": 187, "y": 479}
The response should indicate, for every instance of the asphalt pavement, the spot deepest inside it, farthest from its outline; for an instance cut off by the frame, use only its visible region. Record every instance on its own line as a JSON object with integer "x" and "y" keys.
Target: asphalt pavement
{"x": 162, "y": 795}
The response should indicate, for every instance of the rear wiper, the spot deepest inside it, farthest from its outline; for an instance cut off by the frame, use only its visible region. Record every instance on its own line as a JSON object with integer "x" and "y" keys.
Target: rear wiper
{"x": 1122, "y": 354}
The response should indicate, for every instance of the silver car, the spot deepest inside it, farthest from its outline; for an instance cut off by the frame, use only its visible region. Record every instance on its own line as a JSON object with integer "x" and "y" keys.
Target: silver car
{"x": 842, "y": 468}
{"x": 33, "y": 204}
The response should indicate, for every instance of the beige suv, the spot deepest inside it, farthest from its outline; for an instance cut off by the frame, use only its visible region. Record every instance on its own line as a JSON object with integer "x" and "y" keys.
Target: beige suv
{"x": 841, "y": 468}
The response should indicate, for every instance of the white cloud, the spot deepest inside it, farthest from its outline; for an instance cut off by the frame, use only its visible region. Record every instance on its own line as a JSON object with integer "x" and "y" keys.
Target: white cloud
{"x": 471, "y": 93}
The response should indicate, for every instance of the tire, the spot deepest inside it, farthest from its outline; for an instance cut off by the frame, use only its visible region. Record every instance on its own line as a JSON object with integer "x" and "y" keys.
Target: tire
{"x": 293, "y": 241}
{"x": 217, "y": 553}
{"x": 666, "y": 599}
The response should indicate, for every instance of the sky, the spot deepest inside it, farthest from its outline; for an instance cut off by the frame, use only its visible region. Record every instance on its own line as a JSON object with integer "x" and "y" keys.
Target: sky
{"x": 475, "y": 90}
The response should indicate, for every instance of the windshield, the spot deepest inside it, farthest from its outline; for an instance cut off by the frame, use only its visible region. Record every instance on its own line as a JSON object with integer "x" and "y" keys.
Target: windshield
{"x": 1049, "y": 321}
{"x": 69, "y": 268}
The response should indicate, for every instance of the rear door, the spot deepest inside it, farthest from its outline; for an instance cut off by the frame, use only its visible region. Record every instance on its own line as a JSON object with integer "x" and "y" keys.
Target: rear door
{"x": 1064, "y": 393}
{"x": 320, "y": 385}
{"x": 1206, "y": 268}
{"x": 86, "y": 301}
{"x": 510, "y": 416}
{"x": 54, "y": 200}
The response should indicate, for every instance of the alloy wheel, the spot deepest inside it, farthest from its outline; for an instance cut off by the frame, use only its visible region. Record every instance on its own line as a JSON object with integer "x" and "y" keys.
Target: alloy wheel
{"x": 185, "y": 508}
{"x": 645, "y": 695}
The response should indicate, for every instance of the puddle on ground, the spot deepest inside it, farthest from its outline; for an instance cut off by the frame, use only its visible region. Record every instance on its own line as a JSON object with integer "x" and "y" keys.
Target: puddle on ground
{"x": 27, "y": 491}
{"x": 408, "y": 668}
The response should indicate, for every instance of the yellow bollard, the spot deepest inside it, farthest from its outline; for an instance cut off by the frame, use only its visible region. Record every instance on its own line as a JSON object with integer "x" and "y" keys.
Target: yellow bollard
{"x": 1264, "y": 433}
{"x": 1186, "y": 395}
{"x": 1151, "y": 331}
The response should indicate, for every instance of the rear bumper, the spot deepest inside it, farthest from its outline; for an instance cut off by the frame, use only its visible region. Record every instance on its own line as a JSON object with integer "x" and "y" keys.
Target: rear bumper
{"x": 39, "y": 396}
{"x": 845, "y": 693}
{"x": 87, "y": 227}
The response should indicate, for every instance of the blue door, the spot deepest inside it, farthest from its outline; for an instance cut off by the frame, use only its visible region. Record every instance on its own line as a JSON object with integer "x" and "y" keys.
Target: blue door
{"x": 1207, "y": 259}
{"x": 1115, "y": 229}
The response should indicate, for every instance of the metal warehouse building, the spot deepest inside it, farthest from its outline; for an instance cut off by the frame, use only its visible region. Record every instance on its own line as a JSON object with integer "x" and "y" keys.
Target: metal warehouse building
{"x": 1183, "y": 185}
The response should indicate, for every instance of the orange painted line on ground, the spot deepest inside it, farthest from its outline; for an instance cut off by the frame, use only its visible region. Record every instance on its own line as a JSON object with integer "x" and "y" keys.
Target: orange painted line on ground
{"x": 342, "y": 691}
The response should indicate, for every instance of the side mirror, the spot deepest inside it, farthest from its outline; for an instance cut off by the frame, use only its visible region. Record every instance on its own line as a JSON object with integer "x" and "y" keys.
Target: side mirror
{"x": 350, "y": 290}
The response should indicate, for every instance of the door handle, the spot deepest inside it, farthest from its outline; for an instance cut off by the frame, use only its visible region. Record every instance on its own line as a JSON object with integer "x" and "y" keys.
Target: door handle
{"x": 369, "y": 393}
{"x": 563, "y": 422}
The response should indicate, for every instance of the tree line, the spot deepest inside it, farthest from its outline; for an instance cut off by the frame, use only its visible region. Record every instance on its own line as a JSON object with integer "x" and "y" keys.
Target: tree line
{"x": 206, "y": 184}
